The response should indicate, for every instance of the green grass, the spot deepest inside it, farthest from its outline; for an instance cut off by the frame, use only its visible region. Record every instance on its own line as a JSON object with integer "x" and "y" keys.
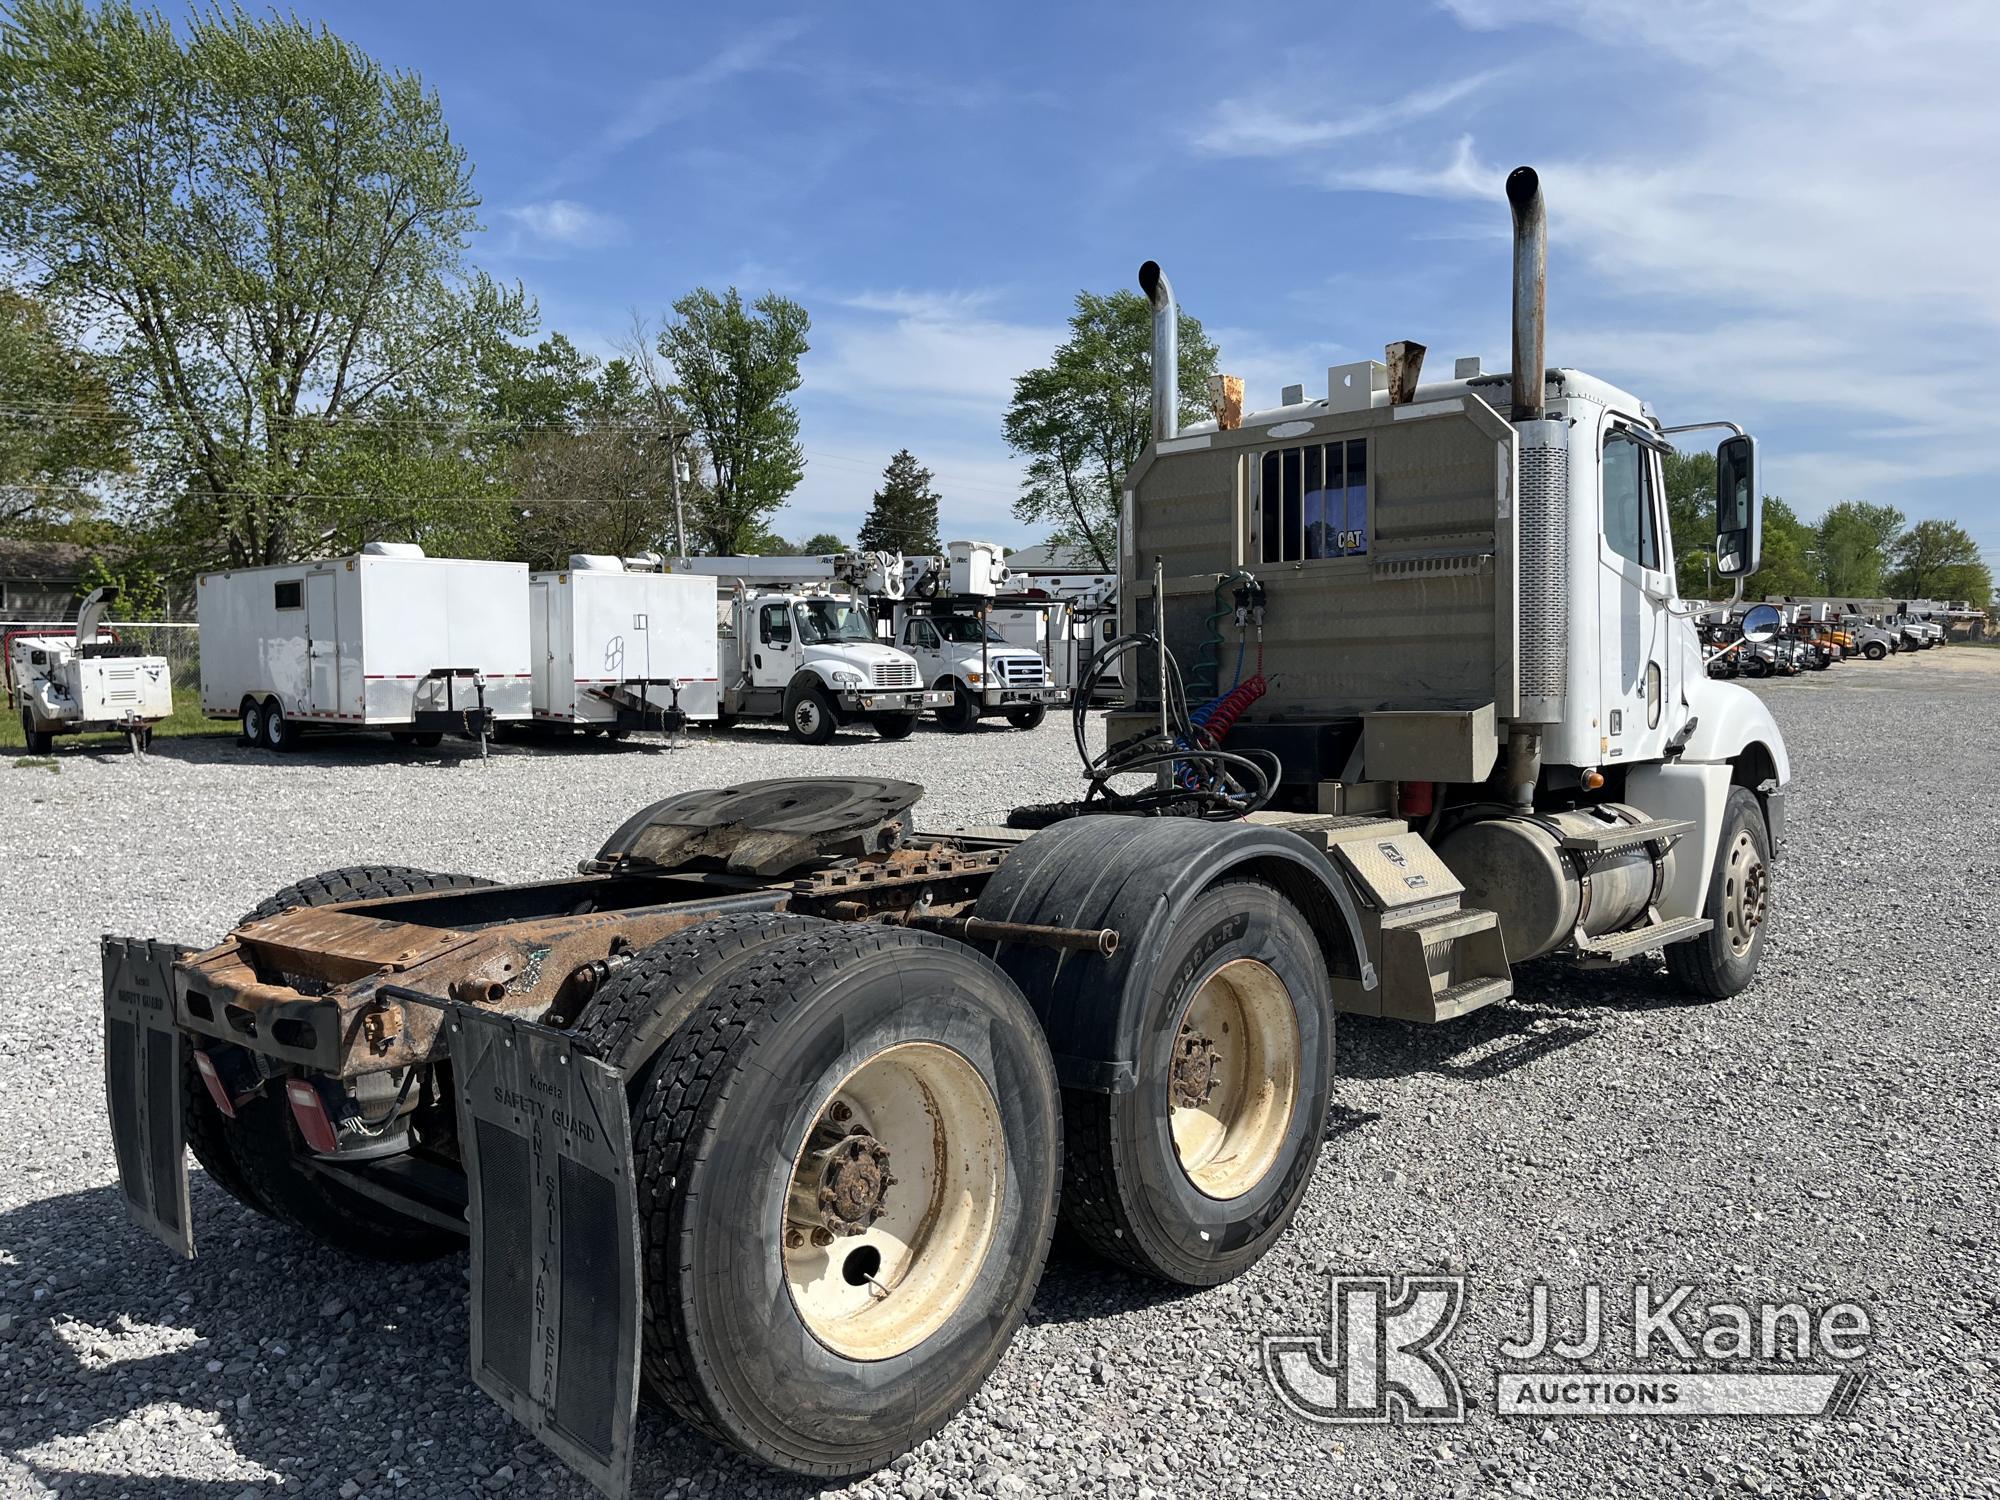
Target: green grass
{"x": 38, "y": 763}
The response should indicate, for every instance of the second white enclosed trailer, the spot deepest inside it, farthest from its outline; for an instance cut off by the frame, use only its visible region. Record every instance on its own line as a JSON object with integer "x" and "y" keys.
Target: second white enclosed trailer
{"x": 385, "y": 639}
{"x": 615, "y": 651}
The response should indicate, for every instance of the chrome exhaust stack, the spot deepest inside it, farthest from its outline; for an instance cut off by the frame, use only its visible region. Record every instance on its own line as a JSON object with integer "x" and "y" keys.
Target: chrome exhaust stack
{"x": 1166, "y": 351}
{"x": 1531, "y": 270}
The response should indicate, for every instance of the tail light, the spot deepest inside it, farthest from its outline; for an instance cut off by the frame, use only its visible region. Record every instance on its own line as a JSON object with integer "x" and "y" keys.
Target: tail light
{"x": 314, "y": 1121}
{"x": 229, "y": 1079}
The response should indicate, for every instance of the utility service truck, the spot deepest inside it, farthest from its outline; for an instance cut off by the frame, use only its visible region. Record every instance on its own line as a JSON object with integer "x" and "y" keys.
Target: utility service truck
{"x": 85, "y": 680}
{"x": 619, "y": 646}
{"x": 798, "y": 643}
{"x": 950, "y": 622}
{"x": 768, "y": 1110}
{"x": 386, "y": 639}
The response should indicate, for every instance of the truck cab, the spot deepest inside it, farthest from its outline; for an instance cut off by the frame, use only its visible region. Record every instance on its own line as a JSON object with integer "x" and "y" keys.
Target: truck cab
{"x": 965, "y": 656}
{"x": 813, "y": 658}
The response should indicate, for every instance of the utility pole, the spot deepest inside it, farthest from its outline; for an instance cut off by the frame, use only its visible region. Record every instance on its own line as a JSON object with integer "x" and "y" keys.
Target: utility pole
{"x": 673, "y": 441}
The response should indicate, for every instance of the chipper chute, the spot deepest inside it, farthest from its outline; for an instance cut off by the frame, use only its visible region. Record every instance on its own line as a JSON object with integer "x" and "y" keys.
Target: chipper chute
{"x": 547, "y": 1145}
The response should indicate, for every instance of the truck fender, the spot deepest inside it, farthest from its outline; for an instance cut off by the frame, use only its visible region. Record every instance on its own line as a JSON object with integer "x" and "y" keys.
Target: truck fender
{"x": 1730, "y": 720}
{"x": 1137, "y": 875}
{"x": 809, "y": 680}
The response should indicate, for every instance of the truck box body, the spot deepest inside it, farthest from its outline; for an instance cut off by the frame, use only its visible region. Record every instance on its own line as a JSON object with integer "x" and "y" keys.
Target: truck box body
{"x": 592, "y": 628}
{"x": 358, "y": 641}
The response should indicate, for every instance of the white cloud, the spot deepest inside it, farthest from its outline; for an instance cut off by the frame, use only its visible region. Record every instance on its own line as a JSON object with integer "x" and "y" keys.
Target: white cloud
{"x": 557, "y": 225}
{"x": 1253, "y": 127}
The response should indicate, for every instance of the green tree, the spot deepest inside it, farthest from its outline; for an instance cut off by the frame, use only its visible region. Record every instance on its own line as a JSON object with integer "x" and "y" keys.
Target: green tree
{"x": 734, "y": 370}
{"x": 267, "y": 225}
{"x": 903, "y": 516}
{"x": 1851, "y": 547}
{"x": 822, "y": 542}
{"x": 1787, "y": 563}
{"x": 1940, "y": 560}
{"x": 1083, "y": 420}
{"x": 60, "y": 430}
{"x": 1690, "y": 481}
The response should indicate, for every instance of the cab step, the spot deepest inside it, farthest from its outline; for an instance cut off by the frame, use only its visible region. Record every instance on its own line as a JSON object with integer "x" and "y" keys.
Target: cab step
{"x": 1624, "y": 835}
{"x": 1616, "y": 947}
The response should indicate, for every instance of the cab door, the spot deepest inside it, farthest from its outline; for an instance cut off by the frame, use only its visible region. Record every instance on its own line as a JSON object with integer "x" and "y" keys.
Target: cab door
{"x": 920, "y": 639}
{"x": 775, "y": 652}
{"x": 1634, "y": 590}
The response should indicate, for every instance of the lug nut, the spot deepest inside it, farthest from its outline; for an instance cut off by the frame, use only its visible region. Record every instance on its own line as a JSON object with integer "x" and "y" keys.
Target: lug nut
{"x": 793, "y": 1239}
{"x": 841, "y": 1113}
{"x": 822, "y": 1238}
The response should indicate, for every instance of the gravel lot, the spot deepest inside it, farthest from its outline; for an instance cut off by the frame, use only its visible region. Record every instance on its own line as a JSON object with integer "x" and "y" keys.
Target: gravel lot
{"x": 1829, "y": 1135}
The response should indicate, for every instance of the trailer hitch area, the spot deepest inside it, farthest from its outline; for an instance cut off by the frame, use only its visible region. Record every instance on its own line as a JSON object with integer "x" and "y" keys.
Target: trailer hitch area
{"x": 144, "y": 1085}
{"x": 546, "y": 1138}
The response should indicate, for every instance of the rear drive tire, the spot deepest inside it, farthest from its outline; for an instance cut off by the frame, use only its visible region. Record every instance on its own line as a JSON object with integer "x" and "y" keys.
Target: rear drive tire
{"x": 1193, "y": 1174}
{"x": 894, "y": 726}
{"x": 37, "y": 741}
{"x": 263, "y": 1141}
{"x": 830, "y": 1358}
{"x": 1723, "y": 960}
{"x": 1029, "y": 717}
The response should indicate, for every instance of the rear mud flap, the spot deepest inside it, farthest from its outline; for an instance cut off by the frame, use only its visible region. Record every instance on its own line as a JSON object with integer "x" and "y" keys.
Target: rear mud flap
{"x": 547, "y": 1144}
{"x": 143, "y": 1086}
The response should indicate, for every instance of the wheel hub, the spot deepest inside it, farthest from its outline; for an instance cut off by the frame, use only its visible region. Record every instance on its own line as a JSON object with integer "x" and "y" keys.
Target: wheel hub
{"x": 1196, "y": 1069}
{"x": 855, "y": 1187}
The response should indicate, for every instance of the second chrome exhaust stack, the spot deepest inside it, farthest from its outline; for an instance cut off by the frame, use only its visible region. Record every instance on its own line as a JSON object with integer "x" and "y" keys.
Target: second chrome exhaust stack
{"x": 1166, "y": 351}
{"x": 1531, "y": 274}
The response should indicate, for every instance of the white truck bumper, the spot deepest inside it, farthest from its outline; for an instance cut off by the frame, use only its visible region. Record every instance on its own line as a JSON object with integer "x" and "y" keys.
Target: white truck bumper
{"x": 892, "y": 700}
{"x": 1021, "y": 697}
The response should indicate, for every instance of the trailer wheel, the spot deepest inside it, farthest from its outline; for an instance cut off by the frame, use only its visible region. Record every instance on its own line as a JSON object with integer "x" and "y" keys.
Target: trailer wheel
{"x": 278, "y": 733}
{"x": 263, "y": 1142}
{"x": 894, "y": 726}
{"x": 848, "y": 1161}
{"x": 962, "y": 713}
{"x": 1029, "y": 717}
{"x": 250, "y": 723}
{"x": 1723, "y": 960}
{"x": 810, "y": 717}
{"x": 38, "y": 741}
{"x": 1193, "y": 1173}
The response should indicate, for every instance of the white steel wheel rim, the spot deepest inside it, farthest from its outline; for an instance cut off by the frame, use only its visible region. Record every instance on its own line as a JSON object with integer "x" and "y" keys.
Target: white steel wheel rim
{"x": 1746, "y": 894}
{"x": 253, "y": 723}
{"x": 274, "y": 728}
{"x": 806, "y": 715}
{"x": 878, "y": 1293}
{"x": 1234, "y": 1078}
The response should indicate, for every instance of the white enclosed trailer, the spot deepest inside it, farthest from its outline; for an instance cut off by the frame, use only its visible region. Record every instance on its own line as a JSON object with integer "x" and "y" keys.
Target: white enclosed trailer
{"x": 385, "y": 639}
{"x": 616, "y": 650}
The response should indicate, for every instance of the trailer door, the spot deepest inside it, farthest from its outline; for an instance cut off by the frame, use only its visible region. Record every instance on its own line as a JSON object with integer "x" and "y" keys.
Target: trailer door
{"x": 322, "y": 645}
{"x": 542, "y": 642}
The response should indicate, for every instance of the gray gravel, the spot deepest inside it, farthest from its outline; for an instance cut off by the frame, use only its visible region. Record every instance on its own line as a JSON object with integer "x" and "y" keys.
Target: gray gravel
{"x": 1830, "y": 1134}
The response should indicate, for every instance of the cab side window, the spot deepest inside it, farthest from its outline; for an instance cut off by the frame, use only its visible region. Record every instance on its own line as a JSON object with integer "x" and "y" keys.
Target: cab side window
{"x": 1630, "y": 528}
{"x": 774, "y": 625}
{"x": 922, "y": 636}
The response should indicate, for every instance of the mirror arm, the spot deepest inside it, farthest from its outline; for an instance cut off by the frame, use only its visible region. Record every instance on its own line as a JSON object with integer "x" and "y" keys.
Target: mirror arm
{"x": 1699, "y": 426}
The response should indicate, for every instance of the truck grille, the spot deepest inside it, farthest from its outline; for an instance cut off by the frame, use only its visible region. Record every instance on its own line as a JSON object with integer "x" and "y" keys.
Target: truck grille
{"x": 898, "y": 674}
{"x": 1022, "y": 671}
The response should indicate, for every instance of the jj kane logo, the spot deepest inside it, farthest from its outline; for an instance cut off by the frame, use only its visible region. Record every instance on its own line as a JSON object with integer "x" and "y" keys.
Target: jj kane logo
{"x": 1382, "y": 1355}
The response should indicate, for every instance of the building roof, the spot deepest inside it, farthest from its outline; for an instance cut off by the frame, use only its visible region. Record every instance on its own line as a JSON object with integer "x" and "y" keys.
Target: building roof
{"x": 43, "y": 562}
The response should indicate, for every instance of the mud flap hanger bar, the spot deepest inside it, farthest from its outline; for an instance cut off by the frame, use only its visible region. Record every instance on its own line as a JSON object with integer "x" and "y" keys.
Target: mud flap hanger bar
{"x": 546, "y": 1139}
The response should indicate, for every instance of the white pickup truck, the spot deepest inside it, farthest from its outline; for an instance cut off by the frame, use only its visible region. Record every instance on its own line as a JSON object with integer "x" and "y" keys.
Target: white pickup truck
{"x": 975, "y": 671}
{"x": 813, "y": 659}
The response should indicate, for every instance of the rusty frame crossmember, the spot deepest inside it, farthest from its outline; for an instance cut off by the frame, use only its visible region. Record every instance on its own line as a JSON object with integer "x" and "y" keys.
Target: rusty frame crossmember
{"x": 316, "y": 986}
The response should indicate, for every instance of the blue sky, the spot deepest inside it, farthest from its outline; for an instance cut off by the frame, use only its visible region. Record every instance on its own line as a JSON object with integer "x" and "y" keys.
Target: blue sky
{"x": 1783, "y": 212}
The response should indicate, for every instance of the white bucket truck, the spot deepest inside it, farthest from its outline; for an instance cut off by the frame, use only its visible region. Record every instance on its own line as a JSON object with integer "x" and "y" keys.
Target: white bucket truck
{"x": 797, "y": 642}
{"x": 385, "y": 639}
{"x": 953, "y": 628}
{"x": 618, "y": 647}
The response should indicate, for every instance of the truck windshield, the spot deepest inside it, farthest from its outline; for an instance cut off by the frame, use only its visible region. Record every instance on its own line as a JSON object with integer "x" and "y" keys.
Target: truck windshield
{"x": 963, "y": 628}
{"x": 824, "y": 620}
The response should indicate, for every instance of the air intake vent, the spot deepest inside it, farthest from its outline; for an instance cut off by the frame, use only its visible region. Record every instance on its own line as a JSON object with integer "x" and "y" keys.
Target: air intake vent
{"x": 1544, "y": 581}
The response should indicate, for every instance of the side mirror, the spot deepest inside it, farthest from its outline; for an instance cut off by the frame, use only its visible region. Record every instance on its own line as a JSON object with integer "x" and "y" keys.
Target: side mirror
{"x": 1760, "y": 623}
{"x": 1739, "y": 528}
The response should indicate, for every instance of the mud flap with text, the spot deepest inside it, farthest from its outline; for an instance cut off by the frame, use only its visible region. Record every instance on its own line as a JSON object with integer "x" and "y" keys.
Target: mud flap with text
{"x": 143, "y": 1086}
{"x": 547, "y": 1144}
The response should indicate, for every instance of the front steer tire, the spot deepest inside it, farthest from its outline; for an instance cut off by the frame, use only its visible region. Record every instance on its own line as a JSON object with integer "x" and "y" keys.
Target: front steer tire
{"x": 738, "y": 1338}
{"x": 267, "y": 1157}
{"x": 810, "y": 717}
{"x": 1029, "y": 717}
{"x": 894, "y": 726}
{"x": 1723, "y": 961}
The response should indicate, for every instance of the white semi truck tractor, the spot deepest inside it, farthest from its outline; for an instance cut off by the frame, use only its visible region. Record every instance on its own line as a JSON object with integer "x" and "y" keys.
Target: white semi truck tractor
{"x": 769, "y": 1112}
